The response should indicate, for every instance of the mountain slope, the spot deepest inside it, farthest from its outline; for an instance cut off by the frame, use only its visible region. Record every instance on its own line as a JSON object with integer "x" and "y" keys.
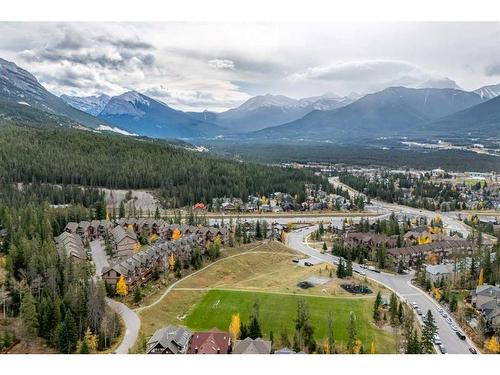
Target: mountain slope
{"x": 480, "y": 120}
{"x": 19, "y": 86}
{"x": 93, "y": 105}
{"x": 143, "y": 115}
{"x": 393, "y": 111}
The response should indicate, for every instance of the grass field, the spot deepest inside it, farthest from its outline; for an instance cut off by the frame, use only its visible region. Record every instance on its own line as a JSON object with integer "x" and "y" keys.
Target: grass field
{"x": 278, "y": 311}
{"x": 266, "y": 272}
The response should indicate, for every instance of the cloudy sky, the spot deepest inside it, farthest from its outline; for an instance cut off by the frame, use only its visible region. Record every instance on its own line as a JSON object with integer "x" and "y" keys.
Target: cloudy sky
{"x": 193, "y": 66}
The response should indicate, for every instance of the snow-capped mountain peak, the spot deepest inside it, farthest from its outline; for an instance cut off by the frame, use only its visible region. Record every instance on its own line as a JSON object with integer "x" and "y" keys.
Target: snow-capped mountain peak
{"x": 93, "y": 105}
{"x": 488, "y": 92}
{"x": 267, "y": 100}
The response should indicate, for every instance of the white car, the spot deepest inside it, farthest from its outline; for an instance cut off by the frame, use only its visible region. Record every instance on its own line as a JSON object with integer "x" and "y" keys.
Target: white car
{"x": 414, "y": 304}
{"x": 437, "y": 340}
{"x": 449, "y": 321}
{"x": 454, "y": 327}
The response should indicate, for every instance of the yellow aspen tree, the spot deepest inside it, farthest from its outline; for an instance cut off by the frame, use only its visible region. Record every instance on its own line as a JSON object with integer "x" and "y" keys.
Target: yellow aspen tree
{"x": 481, "y": 278}
{"x": 176, "y": 235}
{"x": 91, "y": 340}
{"x": 235, "y": 327}
{"x": 492, "y": 345}
{"x": 372, "y": 348}
{"x": 326, "y": 347}
{"x": 171, "y": 261}
{"x": 357, "y": 347}
{"x": 121, "y": 287}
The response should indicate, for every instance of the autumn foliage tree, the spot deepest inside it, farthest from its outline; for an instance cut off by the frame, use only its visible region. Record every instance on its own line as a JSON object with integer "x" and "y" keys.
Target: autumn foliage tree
{"x": 121, "y": 287}
{"x": 176, "y": 235}
{"x": 492, "y": 345}
{"x": 235, "y": 327}
{"x": 480, "y": 281}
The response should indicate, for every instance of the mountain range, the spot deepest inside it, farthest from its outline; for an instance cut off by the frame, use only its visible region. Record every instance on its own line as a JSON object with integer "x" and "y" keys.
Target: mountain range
{"x": 394, "y": 111}
{"x": 269, "y": 110}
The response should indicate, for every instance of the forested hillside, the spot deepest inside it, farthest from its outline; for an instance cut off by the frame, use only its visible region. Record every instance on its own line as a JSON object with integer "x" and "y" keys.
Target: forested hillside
{"x": 68, "y": 156}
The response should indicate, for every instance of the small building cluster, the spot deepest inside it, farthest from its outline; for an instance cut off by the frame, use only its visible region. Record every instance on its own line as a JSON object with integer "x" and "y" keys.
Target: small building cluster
{"x": 179, "y": 340}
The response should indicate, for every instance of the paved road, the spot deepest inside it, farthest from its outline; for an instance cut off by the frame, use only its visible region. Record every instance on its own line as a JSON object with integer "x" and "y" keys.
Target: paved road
{"x": 132, "y": 325}
{"x": 399, "y": 283}
{"x": 98, "y": 256}
{"x": 130, "y": 318}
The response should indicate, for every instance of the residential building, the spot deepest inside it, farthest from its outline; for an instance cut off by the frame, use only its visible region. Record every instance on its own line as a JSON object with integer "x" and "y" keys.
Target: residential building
{"x": 251, "y": 346}
{"x": 123, "y": 242}
{"x": 169, "y": 340}
{"x": 71, "y": 245}
{"x": 212, "y": 342}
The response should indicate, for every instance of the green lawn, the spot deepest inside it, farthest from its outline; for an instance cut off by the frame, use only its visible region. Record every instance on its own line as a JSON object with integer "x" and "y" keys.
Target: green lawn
{"x": 278, "y": 311}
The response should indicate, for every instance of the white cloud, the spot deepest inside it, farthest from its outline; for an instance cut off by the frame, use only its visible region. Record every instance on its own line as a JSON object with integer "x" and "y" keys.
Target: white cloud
{"x": 221, "y": 64}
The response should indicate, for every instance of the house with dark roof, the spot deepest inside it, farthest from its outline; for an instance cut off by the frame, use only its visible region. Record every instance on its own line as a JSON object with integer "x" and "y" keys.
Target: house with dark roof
{"x": 169, "y": 340}
{"x": 251, "y": 346}
{"x": 211, "y": 342}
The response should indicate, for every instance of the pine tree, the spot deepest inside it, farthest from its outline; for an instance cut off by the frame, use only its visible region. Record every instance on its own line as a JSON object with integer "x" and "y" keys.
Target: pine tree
{"x": 393, "y": 309}
{"x": 28, "y": 315}
{"x": 376, "y": 307}
{"x": 121, "y": 210}
{"x": 258, "y": 233}
{"x": 340, "y": 269}
{"x": 428, "y": 333}
{"x": 254, "y": 330}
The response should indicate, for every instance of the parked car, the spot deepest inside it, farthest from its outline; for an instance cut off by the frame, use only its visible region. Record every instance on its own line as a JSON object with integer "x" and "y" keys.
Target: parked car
{"x": 449, "y": 321}
{"x": 440, "y": 310}
{"x": 437, "y": 340}
{"x": 295, "y": 260}
{"x": 445, "y": 315}
{"x": 442, "y": 349}
{"x": 414, "y": 304}
{"x": 419, "y": 312}
{"x": 472, "y": 350}
{"x": 308, "y": 264}
{"x": 454, "y": 327}
{"x": 461, "y": 335}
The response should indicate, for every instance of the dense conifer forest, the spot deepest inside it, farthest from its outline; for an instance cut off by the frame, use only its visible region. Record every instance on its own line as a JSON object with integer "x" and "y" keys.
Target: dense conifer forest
{"x": 183, "y": 177}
